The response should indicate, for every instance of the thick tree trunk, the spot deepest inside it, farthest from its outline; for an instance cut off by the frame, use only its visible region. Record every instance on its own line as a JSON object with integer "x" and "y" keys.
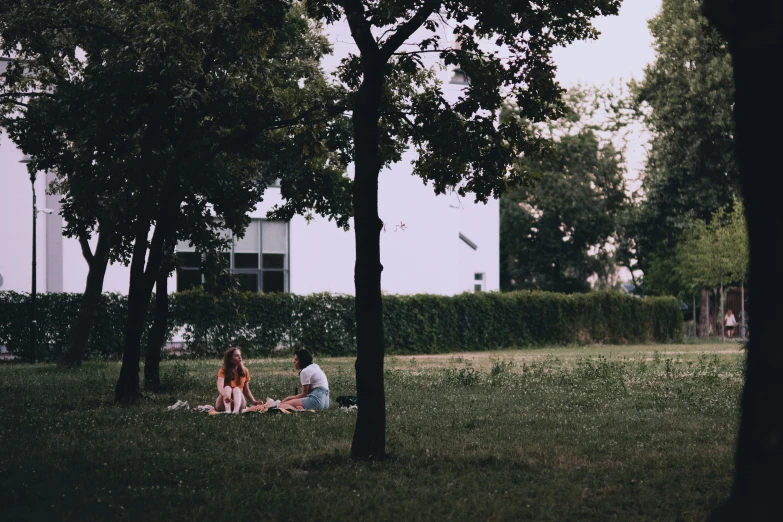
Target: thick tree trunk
{"x": 752, "y": 29}
{"x": 704, "y": 315}
{"x": 88, "y": 309}
{"x": 158, "y": 332}
{"x": 369, "y": 438}
{"x": 127, "y": 389}
{"x": 142, "y": 280}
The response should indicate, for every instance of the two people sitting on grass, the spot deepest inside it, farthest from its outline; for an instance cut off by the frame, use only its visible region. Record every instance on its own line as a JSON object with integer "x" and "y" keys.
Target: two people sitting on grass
{"x": 233, "y": 383}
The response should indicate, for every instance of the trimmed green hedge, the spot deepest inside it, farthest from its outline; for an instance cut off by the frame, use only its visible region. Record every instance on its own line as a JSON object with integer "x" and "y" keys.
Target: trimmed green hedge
{"x": 326, "y": 324}
{"x": 55, "y": 313}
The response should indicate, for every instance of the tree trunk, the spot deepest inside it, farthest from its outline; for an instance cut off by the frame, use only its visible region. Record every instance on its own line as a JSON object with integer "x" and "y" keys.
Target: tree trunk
{"x": 743, "y": 324}
{"x": 694, "y": 316}
{"x": 158, "y": 332}
{"x": 721, "y": 316}
{"x": 88, "y": 309}
{"x": 752, "y": 29}
{"x": 369, "y": 438}
{"x": 127, "y": 389}
{"x": 142, "y": 280}
{"x": 704, "y": 315}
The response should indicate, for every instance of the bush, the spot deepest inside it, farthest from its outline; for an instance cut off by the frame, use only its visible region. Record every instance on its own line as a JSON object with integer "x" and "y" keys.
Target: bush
{"x": 326, "y": 324}
{"x": 55, "y": 314}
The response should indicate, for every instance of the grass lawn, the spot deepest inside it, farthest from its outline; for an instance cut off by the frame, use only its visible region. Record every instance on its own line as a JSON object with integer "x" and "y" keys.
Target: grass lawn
{"x": 597, "y": 433}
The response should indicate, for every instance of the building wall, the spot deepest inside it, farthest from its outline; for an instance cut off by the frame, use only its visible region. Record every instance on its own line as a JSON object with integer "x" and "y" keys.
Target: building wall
{"x": 420, "y": 247}
{"x": 16, "y": 222}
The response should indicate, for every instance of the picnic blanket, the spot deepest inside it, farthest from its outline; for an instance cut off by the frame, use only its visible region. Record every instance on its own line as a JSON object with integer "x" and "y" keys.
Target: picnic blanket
{"x": 260, "y": 408}
{"x": 210, "y": 409}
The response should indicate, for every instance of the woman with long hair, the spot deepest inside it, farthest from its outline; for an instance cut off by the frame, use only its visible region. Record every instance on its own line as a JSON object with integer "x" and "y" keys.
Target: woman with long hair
{"x": 233, "y": 383}
{"x": 315, "y": 386}
{"x": 730, "y": 322}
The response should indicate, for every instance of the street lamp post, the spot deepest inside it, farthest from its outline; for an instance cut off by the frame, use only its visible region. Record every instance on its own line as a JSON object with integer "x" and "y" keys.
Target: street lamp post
{"x": 33, "y": 322}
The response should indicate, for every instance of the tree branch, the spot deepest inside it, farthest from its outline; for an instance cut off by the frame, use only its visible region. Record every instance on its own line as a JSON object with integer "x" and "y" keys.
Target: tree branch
{"x": 360, "y": 27}
{"x": 403, "y": 53}
{"x": 240, "y": 137}
{"x": 82, "y": 24}
{"x": 86, "y": 251}
{"x": 408, "y": 28}
{"x": 24, "y": 94}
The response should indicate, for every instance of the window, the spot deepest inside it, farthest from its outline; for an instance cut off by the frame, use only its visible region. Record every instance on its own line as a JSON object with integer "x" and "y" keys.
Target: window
{"x": 188, "y": 270}
{"x": 274, "y": 256}
{"x": 478, "y": 282}
{"x": 258, "y": 260}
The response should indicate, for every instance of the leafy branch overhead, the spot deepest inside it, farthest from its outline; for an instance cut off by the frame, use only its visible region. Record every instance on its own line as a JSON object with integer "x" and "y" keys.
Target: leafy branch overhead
{"x": 504, "y": 48}
{"x": 166, "y": 122}
{"x": 223, "y": 94}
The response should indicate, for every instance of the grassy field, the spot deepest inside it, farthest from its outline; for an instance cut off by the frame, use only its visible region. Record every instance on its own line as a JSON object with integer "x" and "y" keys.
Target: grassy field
{"x": 596, "y": 433}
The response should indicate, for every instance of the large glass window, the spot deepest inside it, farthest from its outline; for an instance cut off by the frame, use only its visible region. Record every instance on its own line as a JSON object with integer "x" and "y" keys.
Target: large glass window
{"x": 259, "y": 259}
{"x": 188, "y": 270}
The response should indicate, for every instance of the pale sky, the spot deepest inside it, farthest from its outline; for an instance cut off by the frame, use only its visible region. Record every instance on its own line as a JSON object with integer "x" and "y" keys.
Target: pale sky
{"x": 621, "y": 51}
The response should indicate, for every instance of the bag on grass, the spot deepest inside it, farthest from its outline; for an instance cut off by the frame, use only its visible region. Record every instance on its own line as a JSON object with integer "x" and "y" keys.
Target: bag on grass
{"x": 346, "y": 401}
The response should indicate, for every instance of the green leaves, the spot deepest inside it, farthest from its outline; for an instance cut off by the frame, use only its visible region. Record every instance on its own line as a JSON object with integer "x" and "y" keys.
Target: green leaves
{"x": 716, "y": 252}
{"x": 217, "y": 97}
{"x": 564, "y": 228}
{"x": 459, "y": 144}
{"x": 325, "y": 323}
{"x": 686, "y": 99}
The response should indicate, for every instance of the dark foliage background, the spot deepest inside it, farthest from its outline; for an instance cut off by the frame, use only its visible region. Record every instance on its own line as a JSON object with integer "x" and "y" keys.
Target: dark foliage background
{"x": 326, "y": 324}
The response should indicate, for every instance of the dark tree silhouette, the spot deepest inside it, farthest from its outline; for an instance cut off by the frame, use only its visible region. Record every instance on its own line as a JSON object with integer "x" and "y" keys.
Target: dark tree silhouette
{"x": 752, "y": 29}
{"x": 395, "y": 103}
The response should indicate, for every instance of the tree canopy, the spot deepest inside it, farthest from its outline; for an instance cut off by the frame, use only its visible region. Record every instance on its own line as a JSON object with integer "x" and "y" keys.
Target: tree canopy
{"x": 396, "y": 102}
{"x": 715, "y": 252}
{"x": 562, "y": 228}
{"x": 159, "y": 118}
{"x": 686, "y": 98}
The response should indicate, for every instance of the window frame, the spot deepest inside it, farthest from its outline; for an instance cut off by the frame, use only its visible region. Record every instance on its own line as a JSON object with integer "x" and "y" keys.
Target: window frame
{"x": 259, "y": 270}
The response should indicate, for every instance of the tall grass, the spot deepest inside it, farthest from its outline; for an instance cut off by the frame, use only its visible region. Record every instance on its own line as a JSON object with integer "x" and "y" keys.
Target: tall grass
{"x": 556, "y": 438}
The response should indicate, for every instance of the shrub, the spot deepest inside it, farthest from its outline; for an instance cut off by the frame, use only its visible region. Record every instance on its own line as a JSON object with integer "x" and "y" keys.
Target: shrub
{"x": 55, "y": 314}
{"x": 326, "y": 324}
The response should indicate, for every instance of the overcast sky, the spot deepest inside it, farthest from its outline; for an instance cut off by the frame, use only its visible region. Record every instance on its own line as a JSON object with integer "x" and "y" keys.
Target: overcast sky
{"x": 621, "y": 51}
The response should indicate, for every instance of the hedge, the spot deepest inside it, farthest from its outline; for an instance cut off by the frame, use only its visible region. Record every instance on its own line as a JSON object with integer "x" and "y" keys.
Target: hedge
{"x": 326, "y": 324}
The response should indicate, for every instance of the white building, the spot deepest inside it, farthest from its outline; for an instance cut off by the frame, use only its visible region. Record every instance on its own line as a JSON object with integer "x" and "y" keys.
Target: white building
{"x": 431, "y": 244}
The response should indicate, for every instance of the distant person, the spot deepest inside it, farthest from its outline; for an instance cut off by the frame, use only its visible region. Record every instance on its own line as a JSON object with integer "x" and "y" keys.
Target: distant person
{"x": 315, "y": 386}
{"x": 730, "y": 323}
{"x": 233, "y": 383}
